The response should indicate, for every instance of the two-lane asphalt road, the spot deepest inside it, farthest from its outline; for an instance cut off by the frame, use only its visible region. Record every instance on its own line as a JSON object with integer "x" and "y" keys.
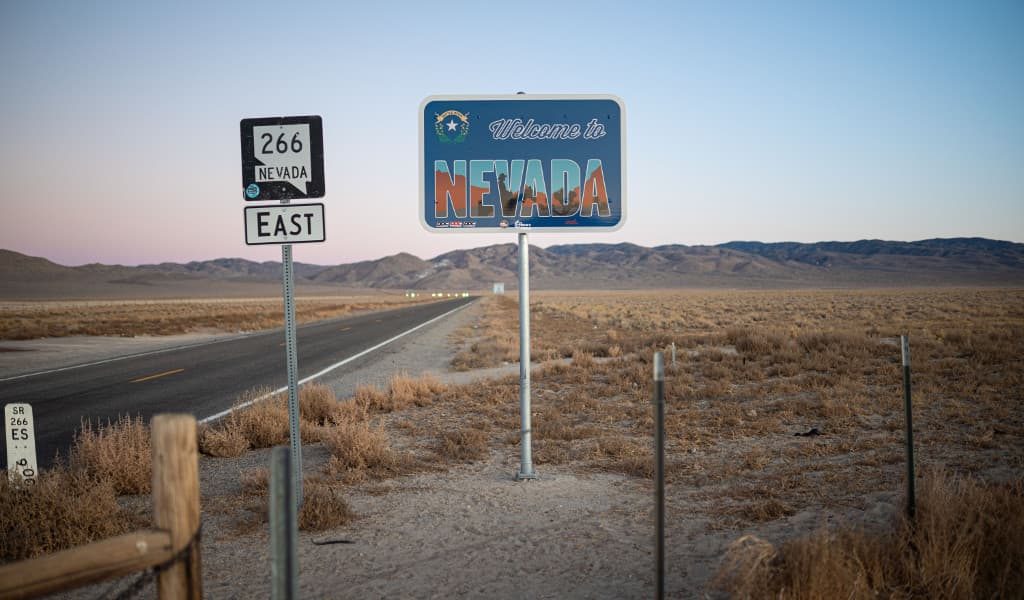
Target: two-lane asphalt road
{"x": 202, "y": 379}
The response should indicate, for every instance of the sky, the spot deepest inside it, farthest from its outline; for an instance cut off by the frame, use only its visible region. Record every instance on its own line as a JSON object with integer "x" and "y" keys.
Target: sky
{"x": 773, "y": 121}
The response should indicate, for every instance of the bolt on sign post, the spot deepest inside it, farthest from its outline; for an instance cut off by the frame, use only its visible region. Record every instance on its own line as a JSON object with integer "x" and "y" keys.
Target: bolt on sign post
{"x": 21, "y": 443}
{"x": 283, "y": 160}
{"x": 522, "y": 163}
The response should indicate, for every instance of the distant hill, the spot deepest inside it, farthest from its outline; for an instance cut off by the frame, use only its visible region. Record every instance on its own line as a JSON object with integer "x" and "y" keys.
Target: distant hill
{"x": 864, "y": 263}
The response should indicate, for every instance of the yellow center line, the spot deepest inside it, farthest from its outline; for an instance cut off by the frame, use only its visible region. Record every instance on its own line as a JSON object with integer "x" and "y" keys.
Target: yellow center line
{"x": 345, "y": 328}
{"x": 164, "y": 374}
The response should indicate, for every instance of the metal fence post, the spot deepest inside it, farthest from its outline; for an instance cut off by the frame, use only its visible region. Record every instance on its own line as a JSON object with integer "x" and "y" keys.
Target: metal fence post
{"x": 526, "y": 459}
{"x": 284, "y": 564}
{"x": 659, "y": 473}
{"x": 908, "y": 418}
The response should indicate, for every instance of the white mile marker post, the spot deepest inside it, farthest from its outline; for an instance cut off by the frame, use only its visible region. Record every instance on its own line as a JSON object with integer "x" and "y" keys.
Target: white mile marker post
{"x": 21, "y": 443}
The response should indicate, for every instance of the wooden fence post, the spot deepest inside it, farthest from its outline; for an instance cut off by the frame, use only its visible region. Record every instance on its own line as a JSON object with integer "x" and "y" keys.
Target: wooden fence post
{"x": 176, "y": 502}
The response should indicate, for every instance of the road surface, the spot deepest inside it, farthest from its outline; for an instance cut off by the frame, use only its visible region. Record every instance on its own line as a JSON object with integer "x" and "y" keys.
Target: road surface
{"x": 203, "y": 380}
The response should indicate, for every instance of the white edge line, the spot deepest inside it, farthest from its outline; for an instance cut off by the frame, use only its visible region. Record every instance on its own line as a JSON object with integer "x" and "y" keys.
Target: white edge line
{"x": 327, "y": 370}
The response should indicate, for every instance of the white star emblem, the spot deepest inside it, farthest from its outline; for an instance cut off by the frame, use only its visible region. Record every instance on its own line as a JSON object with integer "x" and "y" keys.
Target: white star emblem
{"x": 452, "y": 125}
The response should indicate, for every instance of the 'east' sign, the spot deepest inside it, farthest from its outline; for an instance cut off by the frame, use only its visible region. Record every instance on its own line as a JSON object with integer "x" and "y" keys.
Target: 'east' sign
{"x": 282, "y": 158}
{"x": 284, "y": 224}
{"x": 520, "y": 161}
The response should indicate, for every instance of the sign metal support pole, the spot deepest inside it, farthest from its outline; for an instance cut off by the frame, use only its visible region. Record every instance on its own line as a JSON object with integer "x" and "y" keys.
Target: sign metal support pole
{"x": 659, "y": 474}
{"x": 526, "y": 459}
{"x": 909, "y": 422}
{"x": 284, "y": 562}
{"x": 288, "y": 276}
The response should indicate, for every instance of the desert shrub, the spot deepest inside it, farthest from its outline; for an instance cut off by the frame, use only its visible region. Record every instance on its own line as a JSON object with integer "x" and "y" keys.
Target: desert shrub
{"x": 118, "y": 452}
{"x": 62, "y": 510}
{"x": 967, "y": 542}
{"x": 406, "y": 390}
{"x": 582, "y": 359}
{"x": 465, "y": 444}
{"x": 403, "y": 391}
{"x": 371, "y": 398}
{"x": 255, "y": 482}
{"x": 317, "y": 403}
{"x": 264, "y": 424}
{"x": 359, "y": 447}
{"x": 322, "y": 508}
{"x": 349, "y": 412}
{"x": 754, "y": 342}
{"x": 222, "y": 441}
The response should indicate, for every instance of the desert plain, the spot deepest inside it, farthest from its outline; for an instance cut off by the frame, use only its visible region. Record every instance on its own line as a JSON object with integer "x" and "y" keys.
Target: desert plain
{"x": 785, "y": 458}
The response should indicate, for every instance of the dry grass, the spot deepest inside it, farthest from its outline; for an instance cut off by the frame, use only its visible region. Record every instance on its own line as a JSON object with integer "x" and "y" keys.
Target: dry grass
{"x": 64, "y": 509}
{"x": 466, "y": 444}
{"x": 359, "y": 450}
{"x": 129, "y": 318}
{"x": 753, "y": 369}
{"x": 222, "y": 442}
{"x": 968, "y": 542}
{"x": 403, "y": 391}
{"x": 118, "y": 453}
{"x": 265, "y": 422}
{"x": 491, "y": 342}
{"x": 323, "y": 508}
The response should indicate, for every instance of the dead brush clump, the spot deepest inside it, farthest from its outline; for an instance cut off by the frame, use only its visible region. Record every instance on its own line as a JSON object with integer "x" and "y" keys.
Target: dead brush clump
{"x": 62, "y": 510}
{"x": 967, "y": 542}
{"x": 621, "y": 454}
{"x": 255, "y": 482}
{"x": 465, "y": 444}
{"x": 118, "y": 452}
{"x": 317, "y": 403}
{"x": 755, "y": 342}
{"x": 360, "y": 451}
{"x": 261, "y": 420}
{"x": 582, "y": 359}
{"x": 403, "y": 391}
{"x": 222, "y": 442}
{"x": 264, "y": 424}
{"x": 323, "y": 508}
{"x": 417, "y": 391}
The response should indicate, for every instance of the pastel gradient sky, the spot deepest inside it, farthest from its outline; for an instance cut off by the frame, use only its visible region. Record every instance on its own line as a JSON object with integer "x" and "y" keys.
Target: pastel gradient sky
{"x": 799, "y": 121}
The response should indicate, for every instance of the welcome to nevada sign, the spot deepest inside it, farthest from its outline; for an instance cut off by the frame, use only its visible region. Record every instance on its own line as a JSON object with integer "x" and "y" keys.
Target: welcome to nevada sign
{"x": 519, "y": 161}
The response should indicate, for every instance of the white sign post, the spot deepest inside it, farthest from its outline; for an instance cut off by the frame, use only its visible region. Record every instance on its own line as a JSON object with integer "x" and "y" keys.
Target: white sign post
{"x": 21, "y": 443}
{"x": 522, "y": 163}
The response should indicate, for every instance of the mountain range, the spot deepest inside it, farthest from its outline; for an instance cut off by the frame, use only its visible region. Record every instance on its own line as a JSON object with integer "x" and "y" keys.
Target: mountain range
{"x": 864, "y": 263}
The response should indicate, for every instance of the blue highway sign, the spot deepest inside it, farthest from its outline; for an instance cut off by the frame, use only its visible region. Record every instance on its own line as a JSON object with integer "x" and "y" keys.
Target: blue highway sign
{"x": 519, "y": 161}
